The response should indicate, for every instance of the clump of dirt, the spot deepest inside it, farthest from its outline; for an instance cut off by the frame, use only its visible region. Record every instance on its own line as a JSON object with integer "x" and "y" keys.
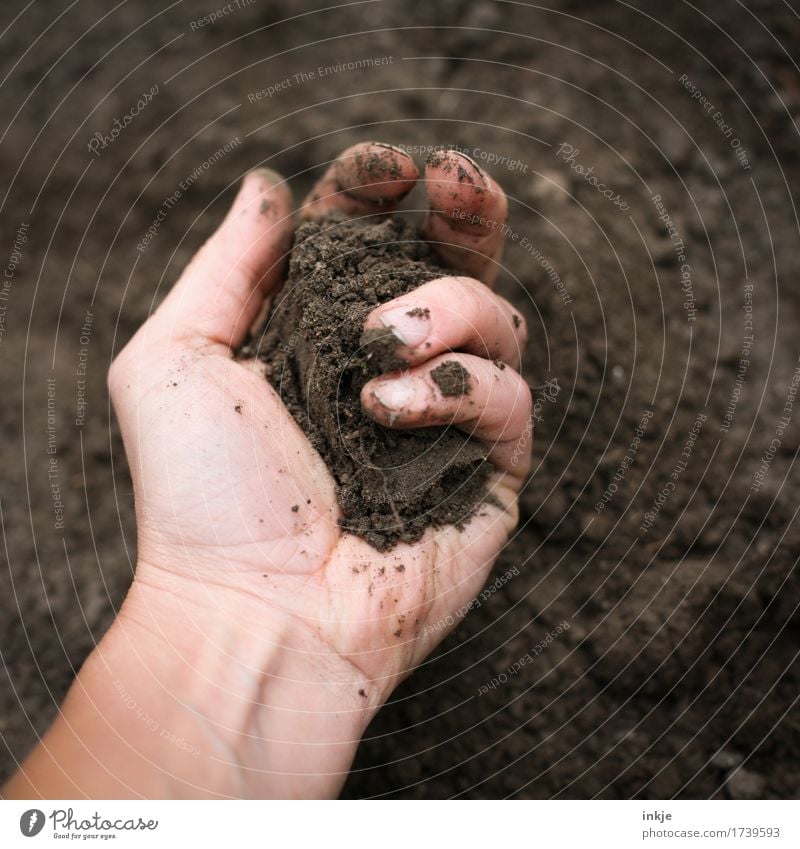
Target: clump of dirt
{"x": 391, "y": 484}
{"x": 452, "y": 379}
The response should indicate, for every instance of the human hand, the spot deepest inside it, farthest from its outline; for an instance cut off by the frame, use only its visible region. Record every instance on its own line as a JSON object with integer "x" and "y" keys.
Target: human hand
{"x": 234, "y": 506}
{"x": 284, "y": 631}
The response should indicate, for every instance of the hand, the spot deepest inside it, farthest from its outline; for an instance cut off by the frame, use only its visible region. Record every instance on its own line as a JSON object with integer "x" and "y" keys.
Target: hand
{"x": 243, "y": 571}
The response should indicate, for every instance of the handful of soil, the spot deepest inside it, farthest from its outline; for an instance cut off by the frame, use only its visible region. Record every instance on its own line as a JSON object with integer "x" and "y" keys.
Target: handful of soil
{"x": 391, "y": 484}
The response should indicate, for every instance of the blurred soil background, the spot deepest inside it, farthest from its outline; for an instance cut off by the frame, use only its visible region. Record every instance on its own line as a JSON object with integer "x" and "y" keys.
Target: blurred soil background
{"x": 672, "y": 356}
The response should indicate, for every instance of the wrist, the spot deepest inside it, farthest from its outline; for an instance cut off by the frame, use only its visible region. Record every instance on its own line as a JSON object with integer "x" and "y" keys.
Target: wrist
{"x": 262, "y": 706}
{"x": 185, "y": 698}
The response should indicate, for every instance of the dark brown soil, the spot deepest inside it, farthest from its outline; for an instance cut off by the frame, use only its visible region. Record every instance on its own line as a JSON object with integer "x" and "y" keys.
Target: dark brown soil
{"x": 678, "y": 675}
{"x": 452, "y": 379}
{"x": 391, "y": 484}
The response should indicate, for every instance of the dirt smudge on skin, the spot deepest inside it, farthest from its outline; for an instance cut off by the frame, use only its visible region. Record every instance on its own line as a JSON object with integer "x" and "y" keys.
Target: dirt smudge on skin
{"x": 419, "y": 312}
{"x": 379, "y": 346}
{"x": 371, "y": 166}
{"x": 452, "y": 379}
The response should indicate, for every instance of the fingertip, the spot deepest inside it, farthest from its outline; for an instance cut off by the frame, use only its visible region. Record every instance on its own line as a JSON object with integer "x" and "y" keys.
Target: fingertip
{"x": 468, "y": 211}
{"x": 392, "y": 400}
{"x": 264, "y": 193}
{"x": 449, "y": 170}
{"x": 410, "y": 325}
{"x": 367, "y": 178}
{"x": 267, "y": 176}
{"x": 462, "y": 193}
{"x": 376, "y": 172}
{"x": 221, "y": 291}
{"x": 257, "y": 231}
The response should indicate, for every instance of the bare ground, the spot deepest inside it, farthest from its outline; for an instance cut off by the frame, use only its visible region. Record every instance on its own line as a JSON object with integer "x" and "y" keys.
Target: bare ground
{"x": 681, "y": 592}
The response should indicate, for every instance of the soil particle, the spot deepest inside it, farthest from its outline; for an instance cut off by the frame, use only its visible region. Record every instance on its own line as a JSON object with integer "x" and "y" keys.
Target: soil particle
{"x": 391, "y": 484}
{"x": 452, "y": 379}
{"x": 464, "y": 176}
{"x": 439, "y": 159}
{"x": 419, "y": 312}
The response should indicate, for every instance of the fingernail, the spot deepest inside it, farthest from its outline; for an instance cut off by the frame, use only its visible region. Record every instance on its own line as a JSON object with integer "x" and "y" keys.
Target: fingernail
{"x": 396, "y": 394}
{"x": 445, "y": 159}
{"x": 389, "y": 147}
{"x": 410, "y": 325}
{"x": 267, "y": 175}
{"x": 474, "y": 164}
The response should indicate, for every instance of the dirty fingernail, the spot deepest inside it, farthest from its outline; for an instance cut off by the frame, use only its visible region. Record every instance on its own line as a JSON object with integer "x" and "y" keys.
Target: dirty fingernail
{"x": 393, "y": 147}
{"x": 410, "y": 325}
{"x": 481, "y": 173}
{"x": 397, "y": 394}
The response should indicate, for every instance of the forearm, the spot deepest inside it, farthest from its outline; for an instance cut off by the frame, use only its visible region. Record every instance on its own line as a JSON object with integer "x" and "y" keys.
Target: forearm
{"x": 179, "y": 700}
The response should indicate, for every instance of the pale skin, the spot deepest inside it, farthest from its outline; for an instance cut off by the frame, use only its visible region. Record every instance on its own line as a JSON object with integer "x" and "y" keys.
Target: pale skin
{"x": 257, "y": 642}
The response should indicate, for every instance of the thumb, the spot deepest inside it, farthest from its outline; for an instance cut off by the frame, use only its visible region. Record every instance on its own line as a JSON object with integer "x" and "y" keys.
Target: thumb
{"x": 219, "y": 294}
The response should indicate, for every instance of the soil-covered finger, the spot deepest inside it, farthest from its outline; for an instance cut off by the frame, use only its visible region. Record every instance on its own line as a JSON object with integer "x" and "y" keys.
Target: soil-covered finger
{"x": 451, "y": 314}
{"x": 366, "y": 178}
{"x": 222, "y": 290}
{"x": 488, "y": 400}
{"x": 468, "y": 211}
